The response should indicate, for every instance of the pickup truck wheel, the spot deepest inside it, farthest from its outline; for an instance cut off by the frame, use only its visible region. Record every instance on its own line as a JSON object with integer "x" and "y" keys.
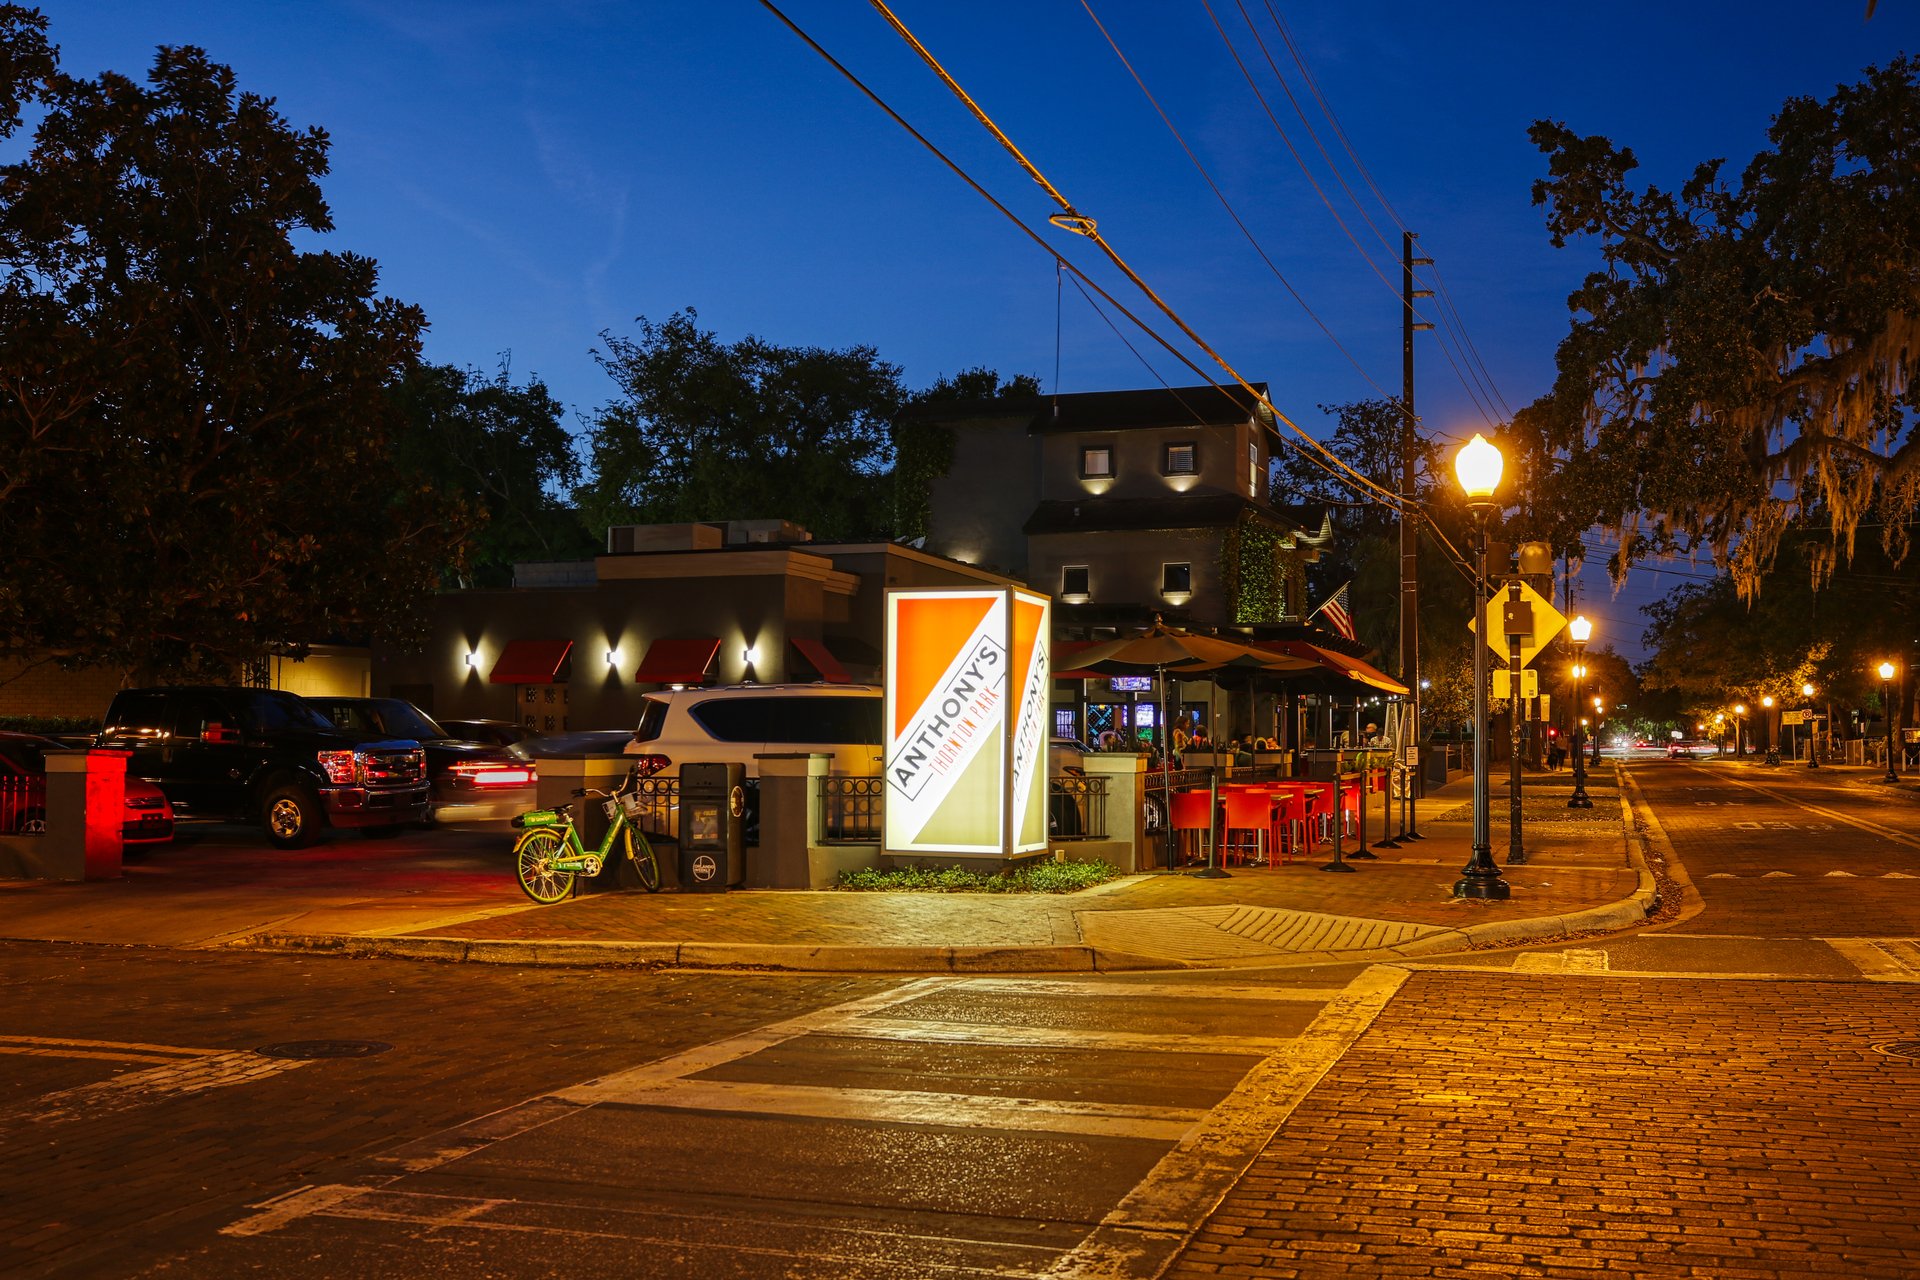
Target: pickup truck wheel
{"x": 291, "y": 815}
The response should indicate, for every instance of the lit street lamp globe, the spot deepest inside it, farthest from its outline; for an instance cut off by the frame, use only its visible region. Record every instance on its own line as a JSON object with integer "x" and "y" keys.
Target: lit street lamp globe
{"x": 1580, "y": 629}
{"x": 1478, "y": 466}
{"x": 1886, "y": 668}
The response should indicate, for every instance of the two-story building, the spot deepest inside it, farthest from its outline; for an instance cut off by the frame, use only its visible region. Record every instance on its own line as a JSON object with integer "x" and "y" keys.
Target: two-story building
{"x": 1127, "y": 506}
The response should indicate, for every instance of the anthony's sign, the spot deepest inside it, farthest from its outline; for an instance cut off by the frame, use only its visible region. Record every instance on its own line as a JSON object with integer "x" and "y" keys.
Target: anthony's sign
{"x": 966, "y": 717}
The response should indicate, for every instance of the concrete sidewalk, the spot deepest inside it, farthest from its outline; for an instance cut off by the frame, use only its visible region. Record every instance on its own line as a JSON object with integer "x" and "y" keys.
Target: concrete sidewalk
{"x": 442, "y": 899}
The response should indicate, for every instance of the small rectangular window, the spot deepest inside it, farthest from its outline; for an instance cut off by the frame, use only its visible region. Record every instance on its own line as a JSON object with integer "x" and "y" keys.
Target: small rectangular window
{"x": 1073, "y": 581}
{"x": 1182, "y": 459}
{"x": 1253, "y": 468}
{"x": 1096, "y": 462}
{"x": 1176, "y": 579}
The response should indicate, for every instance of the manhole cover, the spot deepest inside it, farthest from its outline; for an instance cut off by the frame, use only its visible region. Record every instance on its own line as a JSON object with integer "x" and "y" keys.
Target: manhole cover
{"x": 310, "y": 1049}
{"x": 1900, "y": 1048}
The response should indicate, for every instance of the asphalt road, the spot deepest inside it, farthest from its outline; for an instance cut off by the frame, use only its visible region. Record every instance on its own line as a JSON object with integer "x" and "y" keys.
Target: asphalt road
{"x": 1722, "y": 1096}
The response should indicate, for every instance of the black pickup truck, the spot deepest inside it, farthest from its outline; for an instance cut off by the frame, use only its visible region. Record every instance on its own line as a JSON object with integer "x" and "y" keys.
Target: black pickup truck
{"x": 261, "y": 755}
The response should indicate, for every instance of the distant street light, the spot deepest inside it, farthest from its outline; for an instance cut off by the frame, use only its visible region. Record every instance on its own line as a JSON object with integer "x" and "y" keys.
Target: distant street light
{"x": 1739, "y": 740}
{"x": 1581, "y": 629}
{"x": 1813, "y": 727}
{"x": 1773, "y": 733}
{"x": 1886, "y": 705}
{"x": 1477, "y": 466}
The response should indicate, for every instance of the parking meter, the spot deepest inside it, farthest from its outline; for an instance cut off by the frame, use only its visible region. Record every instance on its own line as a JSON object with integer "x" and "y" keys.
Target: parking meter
{"x": 713, "y": 806}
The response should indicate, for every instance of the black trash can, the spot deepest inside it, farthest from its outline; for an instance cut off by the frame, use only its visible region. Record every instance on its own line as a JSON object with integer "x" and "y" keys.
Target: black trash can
{"x": 713, "y": 805}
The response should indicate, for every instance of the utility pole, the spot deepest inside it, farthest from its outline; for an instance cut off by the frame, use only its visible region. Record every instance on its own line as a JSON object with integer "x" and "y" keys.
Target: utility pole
{"x": 1409, "y": 522}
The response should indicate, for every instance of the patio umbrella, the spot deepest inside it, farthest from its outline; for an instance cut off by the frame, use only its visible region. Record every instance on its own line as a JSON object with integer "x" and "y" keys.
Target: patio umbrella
{"x": 1161, "y": 649}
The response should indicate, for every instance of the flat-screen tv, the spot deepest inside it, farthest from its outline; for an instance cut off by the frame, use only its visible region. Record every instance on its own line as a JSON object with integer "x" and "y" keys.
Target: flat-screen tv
{"x": 1130, "y": 684}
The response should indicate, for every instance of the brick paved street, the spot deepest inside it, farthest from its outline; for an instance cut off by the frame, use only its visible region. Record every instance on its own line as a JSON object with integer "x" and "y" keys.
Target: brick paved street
{"x": 1570, "y": 1127}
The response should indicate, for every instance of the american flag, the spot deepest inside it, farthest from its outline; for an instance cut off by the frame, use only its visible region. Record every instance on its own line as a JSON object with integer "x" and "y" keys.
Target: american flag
{"x": 1339, "y": 616}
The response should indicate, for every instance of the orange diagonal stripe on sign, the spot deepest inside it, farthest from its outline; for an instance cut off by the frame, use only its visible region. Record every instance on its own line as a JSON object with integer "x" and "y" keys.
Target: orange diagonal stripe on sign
{"x": 1026, "y": 629}
{"x": 929, "y": 632}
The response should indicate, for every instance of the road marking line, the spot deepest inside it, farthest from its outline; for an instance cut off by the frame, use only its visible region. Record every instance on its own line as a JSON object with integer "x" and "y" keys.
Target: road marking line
{"x": 916, "y": 1107}
{"x": 1848, "y": 874}
{"x": 1778, "y": 875}
{"x": 1837, "y": 816}
{"x": 920, "y": 1030}
{"x": 42, "y": 1051}
{"x": 379, "y": 1205}
{"x": 133, "y": 1045}
{"x": 1172, "y": 990}
{"x": 1880, "y": 959}
{"x": 1572, "y": 961}
{"x": 706, "y": 1056}
{"x": 1160, "y": 1215}
{"x": 298, "y": 1203}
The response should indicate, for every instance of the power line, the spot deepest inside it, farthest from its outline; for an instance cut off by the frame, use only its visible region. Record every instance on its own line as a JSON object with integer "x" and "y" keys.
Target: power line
{"x": 1071, "y": 219}
{"x": 1072, "y": 268}
{"x": 1226, "y": 204}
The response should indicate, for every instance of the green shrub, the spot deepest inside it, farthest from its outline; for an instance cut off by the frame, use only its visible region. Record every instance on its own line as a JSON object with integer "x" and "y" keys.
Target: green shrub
{"x": 1033, "y": 877}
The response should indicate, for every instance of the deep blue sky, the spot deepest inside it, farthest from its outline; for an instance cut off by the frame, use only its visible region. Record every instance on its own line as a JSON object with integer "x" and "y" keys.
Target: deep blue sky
{"x": 534, "y": 174}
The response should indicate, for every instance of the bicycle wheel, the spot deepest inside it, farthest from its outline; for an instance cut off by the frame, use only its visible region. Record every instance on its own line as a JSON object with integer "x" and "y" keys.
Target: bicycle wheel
{"x": 644, "y": 863}
{"x": 534, "y": 857}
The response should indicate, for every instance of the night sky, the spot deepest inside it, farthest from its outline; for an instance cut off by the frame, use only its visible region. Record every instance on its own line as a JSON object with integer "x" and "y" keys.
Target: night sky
{"x": 534, "y": 174}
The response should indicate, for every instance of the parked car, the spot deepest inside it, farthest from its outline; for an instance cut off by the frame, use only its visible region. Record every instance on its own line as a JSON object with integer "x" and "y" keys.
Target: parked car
{"x": 147, "y": 817}
{"x": 266, "y": 756}
{"x": 578, "y": 742}
{"x": 1692, "y": 749}
{"x": 499, "y": 733}
{"x": 735, "y": 723}
{"x": 470, "y": 781}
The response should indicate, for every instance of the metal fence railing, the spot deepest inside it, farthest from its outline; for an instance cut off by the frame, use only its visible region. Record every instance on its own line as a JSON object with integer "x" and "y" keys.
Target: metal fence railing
{"x": 23, "y": 806}
{"x": 850, "y": 807}
{"x": 1076, "y": 807}
{"x": 659, "y": 805}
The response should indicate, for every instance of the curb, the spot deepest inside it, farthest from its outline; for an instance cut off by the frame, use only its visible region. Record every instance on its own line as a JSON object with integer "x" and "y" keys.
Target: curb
{"x": 715, "y": 955}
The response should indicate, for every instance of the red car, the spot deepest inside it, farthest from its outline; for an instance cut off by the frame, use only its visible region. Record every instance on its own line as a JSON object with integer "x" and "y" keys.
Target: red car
{"x": 23, "y": 794}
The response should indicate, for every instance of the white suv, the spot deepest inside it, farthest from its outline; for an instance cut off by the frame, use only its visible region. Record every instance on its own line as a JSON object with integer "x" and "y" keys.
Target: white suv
{"x": 735, "y": 723}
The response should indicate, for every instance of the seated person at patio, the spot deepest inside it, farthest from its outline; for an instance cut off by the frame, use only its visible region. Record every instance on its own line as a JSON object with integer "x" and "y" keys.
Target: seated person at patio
{"x": 1373, "y": 738}
{"x": 1242, "y": 752}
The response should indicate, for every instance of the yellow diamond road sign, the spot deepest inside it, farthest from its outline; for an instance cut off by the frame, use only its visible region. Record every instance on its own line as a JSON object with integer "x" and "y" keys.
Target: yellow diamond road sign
{"x": 1544, "y": 624}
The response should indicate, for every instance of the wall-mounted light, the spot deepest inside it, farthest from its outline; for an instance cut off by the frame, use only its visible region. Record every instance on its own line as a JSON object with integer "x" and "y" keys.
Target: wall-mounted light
{"x": 615, "y": 657}
{"x": 473, "y": 659}
{"x": 750, "y": 655}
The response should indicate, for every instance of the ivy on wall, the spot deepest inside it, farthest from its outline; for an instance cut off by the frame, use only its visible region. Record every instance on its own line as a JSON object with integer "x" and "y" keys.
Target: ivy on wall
{"x": 923, "y": 451}
{"x": 1253, "y": 571}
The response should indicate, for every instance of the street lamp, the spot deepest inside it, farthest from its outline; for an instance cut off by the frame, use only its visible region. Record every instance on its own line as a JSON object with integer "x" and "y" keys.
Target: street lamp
{"x": 1582, "y": 631}
{"x": 1886, "y": 705}
{"x": 1739, "y": 741}
{"x": 1773, "y": 734}
{"x": 1813, "y": 728}
{"x": 1478, "y": 466}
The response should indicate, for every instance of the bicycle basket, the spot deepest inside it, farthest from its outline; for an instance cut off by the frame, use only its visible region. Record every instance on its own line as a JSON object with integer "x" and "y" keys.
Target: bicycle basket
{"x": 611, "y": 808}
{"x": 633, "y": 805}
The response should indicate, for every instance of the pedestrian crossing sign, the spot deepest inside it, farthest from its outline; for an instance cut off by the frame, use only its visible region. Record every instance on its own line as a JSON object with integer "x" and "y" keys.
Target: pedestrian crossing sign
{"x": 1542, "y": 622}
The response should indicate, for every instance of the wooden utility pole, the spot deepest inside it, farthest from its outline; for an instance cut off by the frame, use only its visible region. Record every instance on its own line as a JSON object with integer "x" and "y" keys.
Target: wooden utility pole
{"x": 1409, "y": 522}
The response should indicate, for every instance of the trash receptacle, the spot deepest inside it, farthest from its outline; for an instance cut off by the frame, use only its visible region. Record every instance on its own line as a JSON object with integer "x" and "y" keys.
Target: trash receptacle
{"x": 713, "y": 804}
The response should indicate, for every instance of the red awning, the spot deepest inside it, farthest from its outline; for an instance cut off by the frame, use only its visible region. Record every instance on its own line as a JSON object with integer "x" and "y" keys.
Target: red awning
{"x": 1063, "y": 652}
{"x": 1336, "y": 663}
{"x": 677, "y": 661}
{"x": 530, "y": 661}
{"x": 821, "y": 660}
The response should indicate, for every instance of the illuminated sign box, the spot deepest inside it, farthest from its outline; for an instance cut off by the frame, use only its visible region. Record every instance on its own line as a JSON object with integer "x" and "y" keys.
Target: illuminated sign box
{"x": 967, "y": 679}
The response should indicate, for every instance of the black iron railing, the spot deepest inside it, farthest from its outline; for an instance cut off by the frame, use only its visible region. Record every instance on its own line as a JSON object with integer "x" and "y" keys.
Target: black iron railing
{"x": 850, "y": 808}
{"x": 1076, "y": 807}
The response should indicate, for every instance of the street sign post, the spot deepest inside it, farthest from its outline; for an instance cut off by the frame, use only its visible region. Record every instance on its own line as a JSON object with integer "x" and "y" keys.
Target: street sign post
{"x": 1544, "y": 623}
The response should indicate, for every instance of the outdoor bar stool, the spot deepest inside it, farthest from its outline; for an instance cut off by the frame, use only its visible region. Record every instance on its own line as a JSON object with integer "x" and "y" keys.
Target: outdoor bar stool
{"x": 1353, "y": 794}
{"x": 1283, "y": 836}
{"x": 1313, "y": 809}
{"x": 1192, "y": 812}
{"x": 1249, "y": 813}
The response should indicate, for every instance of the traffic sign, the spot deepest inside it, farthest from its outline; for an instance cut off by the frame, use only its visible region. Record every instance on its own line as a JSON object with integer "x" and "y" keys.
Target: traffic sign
{"x": 1503, "y": 683}
{"x": 1541, "y": 620}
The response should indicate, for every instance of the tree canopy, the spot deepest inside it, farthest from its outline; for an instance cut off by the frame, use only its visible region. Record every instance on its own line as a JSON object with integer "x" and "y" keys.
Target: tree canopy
{"x": 195, "y": 419}
{"x": 1743, "y": 362}
{"x": 504, "y": 449}
{"x": 709, "y": 430}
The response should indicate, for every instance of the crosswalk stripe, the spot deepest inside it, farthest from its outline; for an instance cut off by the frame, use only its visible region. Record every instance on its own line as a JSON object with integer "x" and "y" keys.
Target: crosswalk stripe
{"x": 108, "y": 1048}
{"x": 1880, "y": 959}
{"x": 924, "y": 1031}
{"x": 1138, "y": 990}
{"x": 916, "y": 1107}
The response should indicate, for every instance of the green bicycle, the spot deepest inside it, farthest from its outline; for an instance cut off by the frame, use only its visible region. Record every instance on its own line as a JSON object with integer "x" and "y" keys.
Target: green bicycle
{"x": 549, "y": 855}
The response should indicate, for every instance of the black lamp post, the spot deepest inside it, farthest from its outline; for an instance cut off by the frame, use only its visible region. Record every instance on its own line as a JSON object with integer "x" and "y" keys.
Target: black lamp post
{"x": 1886, "y": 705}
{"x": 1478, "y": 466}
{"x": 1773, "y": 728}
{"x": 1739, "y": 739}
{"x": 1581, "y": 630}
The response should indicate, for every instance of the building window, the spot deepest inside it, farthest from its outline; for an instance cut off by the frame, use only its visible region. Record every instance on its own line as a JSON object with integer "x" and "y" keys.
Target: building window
{"x": 1096, "y": 462}
{"x": 1182, "y": 459}
{"x": 1073, "y": 581}
{"x": 1253, "y": 468}
{"x": 1176, "y": 579}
